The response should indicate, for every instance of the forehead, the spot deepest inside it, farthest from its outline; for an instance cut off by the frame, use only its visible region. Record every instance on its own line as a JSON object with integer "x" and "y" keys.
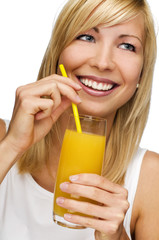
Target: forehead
{"x": 131, "y": 27}
{"x": 135, "y": 25}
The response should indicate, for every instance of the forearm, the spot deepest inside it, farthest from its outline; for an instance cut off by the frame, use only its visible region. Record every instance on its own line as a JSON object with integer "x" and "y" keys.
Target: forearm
{"x": 7, "y": 158}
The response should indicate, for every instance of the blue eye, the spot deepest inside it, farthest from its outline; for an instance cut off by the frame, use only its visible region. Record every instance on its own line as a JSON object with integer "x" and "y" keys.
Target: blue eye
{"x": 128, "y": 46}
{"x": 86, "y": 37}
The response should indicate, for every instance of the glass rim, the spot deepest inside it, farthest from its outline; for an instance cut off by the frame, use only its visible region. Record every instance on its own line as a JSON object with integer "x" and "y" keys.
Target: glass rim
{"x": 89, "y": 117}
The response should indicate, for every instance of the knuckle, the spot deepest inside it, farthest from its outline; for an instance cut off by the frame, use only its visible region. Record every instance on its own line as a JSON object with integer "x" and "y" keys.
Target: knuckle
{"x": 73, "y": 189}
{"x": 19, "y": 91}
{"x": 25, "y": 102}
{"x": 113, "y": 228}
{"x": 83, "y": 177}
{"x": 50, "y": 104}
{"x": 88, "y": 208}
{"x": 52, "y": 76}
{"x": 95, "y": 193}
{"x": 100, "y": 180}
{"x": 88, "y": 222}
{"x": 120, "y": 217}
{"x": 54, "y": 85}
{"x": 124, "y": 193}
{"x": 126, "y": 205}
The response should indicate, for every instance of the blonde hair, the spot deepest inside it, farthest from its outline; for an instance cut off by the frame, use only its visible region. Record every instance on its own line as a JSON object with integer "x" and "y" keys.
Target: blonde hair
{"x": 78, "y": 16}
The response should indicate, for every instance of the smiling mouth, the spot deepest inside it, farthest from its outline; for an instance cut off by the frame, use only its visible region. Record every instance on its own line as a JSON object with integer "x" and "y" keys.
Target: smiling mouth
{"x": 97, "y": 85}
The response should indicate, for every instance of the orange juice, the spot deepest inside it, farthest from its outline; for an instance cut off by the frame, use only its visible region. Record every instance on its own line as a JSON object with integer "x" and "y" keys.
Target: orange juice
{"x": 80, "y": 153}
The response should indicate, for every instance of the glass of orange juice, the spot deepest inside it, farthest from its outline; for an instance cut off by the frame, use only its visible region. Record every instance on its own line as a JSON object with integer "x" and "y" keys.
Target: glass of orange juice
{"x": 80, "y": 153}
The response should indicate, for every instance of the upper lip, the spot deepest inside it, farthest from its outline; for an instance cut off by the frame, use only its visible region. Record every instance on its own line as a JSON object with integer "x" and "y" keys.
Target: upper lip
{"x": 97, "y": 79}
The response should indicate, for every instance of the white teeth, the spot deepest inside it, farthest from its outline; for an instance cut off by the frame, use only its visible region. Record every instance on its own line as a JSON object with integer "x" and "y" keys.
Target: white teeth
{"x": 90, "y": 83}
{"x": 86, "y": 82}
{"x": 100, "y": 86}
{"x": 95, "y": 85}
{"x": 105, "y": 87}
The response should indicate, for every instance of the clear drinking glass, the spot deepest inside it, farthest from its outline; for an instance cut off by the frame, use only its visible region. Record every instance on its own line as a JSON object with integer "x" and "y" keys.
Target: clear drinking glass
{"x": 80, "y": 153}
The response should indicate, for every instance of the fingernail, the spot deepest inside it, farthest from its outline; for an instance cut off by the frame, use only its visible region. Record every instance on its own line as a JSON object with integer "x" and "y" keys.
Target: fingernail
{"x": 74, "y": 178}
{"x": 78, "y": 99}
{"x": 78, "y": 86}
{"x": 64, "y": 186}
{"x": 59, "y": 200}
{"x": 67, "y": 215}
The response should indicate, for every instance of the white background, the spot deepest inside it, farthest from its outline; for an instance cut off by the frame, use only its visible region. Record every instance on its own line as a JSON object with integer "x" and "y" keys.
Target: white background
{"x": 25, "y": 28}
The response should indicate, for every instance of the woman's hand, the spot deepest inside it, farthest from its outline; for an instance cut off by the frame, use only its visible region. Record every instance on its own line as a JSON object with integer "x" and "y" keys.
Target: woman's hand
{"x": 108, "y": 216}
{"x": 37, "y": 107}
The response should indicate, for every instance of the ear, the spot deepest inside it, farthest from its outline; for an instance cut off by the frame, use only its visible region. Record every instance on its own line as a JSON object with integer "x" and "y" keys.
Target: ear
{"x": 137, "y": 86}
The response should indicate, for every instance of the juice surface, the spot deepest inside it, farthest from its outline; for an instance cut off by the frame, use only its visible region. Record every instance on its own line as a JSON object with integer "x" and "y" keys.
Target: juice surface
{"x": 80, "y": 153}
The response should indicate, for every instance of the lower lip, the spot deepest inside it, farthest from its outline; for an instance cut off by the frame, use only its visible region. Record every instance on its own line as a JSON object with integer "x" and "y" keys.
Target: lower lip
{"x": 96, "y": 93}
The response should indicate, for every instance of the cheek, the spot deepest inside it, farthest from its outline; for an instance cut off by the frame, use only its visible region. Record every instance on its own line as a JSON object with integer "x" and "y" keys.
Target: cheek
{"x": 66, "y": 58}
{"x": 71, "y": 57}
{"x": 133, "y": 71}
{"x": 75, "y": 55}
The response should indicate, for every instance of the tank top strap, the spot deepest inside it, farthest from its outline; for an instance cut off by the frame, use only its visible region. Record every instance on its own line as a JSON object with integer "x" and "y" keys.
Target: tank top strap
{"x": 131, "y": 183}
{"x": 7, "y": 123}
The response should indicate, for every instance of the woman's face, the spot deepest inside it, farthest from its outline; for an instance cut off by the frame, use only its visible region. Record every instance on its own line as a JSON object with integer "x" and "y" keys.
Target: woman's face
{"x": 107, "y": 63}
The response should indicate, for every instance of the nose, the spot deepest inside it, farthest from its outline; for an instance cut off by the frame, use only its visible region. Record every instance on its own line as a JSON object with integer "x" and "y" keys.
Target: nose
{"x": 103, "y": 58}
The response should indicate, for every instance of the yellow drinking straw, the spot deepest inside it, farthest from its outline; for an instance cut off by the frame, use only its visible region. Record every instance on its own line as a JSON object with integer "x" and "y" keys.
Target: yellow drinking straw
{"x": 74, "y": 106}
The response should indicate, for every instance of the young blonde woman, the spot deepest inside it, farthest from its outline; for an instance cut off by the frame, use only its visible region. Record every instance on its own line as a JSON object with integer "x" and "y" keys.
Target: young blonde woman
{"x": 108, "y": 49}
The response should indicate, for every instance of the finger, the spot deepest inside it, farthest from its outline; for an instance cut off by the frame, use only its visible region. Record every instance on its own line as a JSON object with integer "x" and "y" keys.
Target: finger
{"x": 107, "y": 227}
{"x": 99, "y": 182}
{"x": 33, "y": 105}
{"x": 65, "y": 104}
{"x": 92, "y": 209}
{"x": 66, "y": 91}
{"x": 96, "y": 194}
{"x": 46, "y": 86}
{"x": 45, "y": 108}
{"x": 33, "y": 108}
{"x": 54, "y": 91}
{"x": 48, "y": 81}
{"x": 65, "y": 80}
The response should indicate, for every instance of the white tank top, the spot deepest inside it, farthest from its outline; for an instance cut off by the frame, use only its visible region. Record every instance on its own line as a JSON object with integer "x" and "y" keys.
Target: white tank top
{"x": 26, "y": 208}
{"x": 131, "y": 183}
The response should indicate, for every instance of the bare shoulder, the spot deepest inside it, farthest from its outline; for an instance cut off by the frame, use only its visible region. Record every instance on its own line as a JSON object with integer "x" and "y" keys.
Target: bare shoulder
{"x": 149, "y": 176}
{"x": 150, "y": 168}
{"x": 147, "y": 198}
{"x": 151, "y": 157}
{"x": 2, "y": 129}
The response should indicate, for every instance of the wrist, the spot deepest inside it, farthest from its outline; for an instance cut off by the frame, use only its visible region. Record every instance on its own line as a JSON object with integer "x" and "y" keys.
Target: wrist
{"x": 8, "y": 157}
{"x": 9, "y": 143}
{"x": 8, "y": 152}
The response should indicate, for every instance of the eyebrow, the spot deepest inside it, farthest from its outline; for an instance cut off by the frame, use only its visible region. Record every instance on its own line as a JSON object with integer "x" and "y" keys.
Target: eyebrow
{"x": 96, "y": 29}
{"x": 134, "y": 36}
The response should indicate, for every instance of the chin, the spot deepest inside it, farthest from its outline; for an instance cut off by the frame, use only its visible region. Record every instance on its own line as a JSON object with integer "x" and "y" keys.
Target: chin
{"x": 92, "y": 112}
